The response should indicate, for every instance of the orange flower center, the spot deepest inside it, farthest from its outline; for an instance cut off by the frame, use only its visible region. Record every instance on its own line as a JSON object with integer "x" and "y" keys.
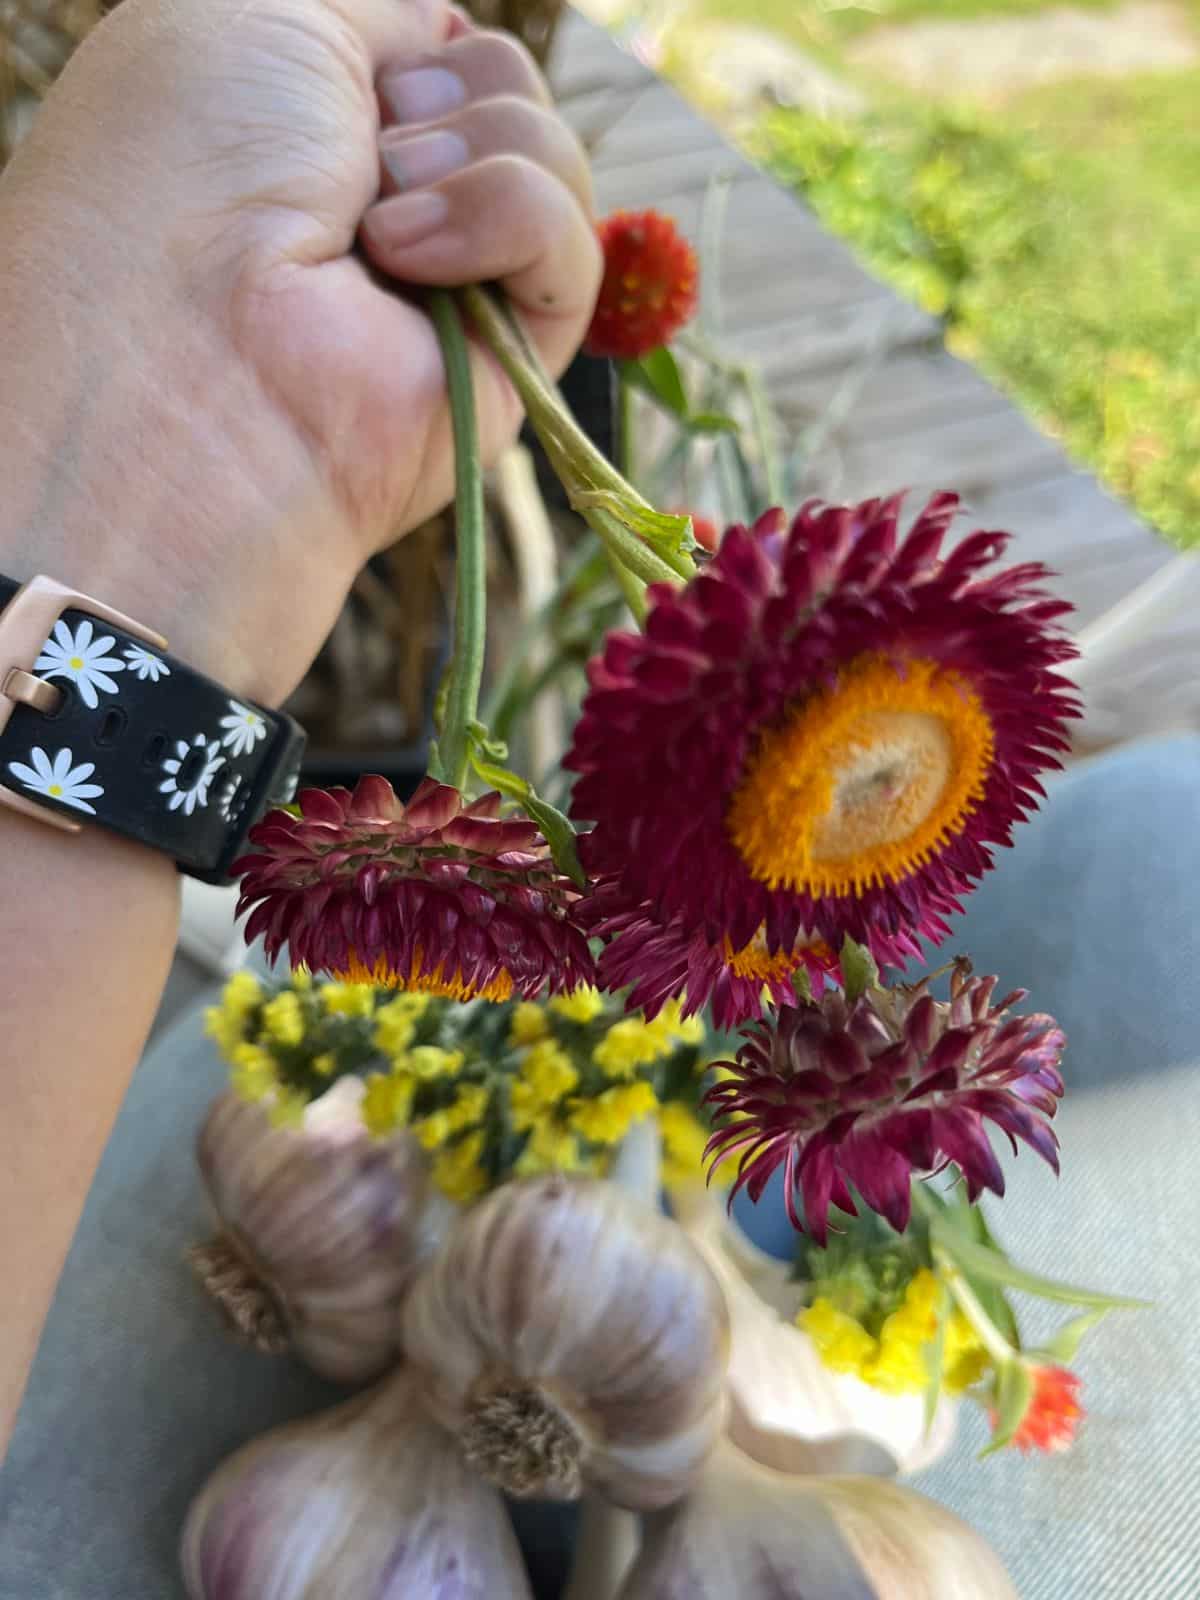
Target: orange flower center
{"x": 864, "y": 782}
{"x": 439, "y": 982}
{"x": 756, "y": 962}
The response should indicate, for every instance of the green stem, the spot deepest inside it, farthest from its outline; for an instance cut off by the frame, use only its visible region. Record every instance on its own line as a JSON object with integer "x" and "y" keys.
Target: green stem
{"x": 625, "y": 444}
{"x": 993, "y": 1341}
{"x": 583, "y": 469}
{"x": 470, "y": 608}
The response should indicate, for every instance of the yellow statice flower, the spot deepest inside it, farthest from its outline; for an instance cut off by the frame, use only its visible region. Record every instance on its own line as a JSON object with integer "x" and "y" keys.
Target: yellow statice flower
{"x": 348, "y": 999}
{"x": 529, "y": 1024}
{"x": 633, "y": 1042}
{"x": 283, "y": 1018}
{"x": 226, "y": 1022}
{"x": 255, "y": 1072}
{"x": 301, "y": 979}
{"x": 965, "y": 1359}
{"x": 897, "y": 1361}
{"x": 457, "y": 1170}
{"x": 396, "y": 1022}
{"x": 387, "y": 1102}
{"x": 325, "y": 1065}
{"x": 428, "y": 1061}
{"x": 684, "y": 1137}
{"x": 550, "y": 1148}
{"x": 466, "y": 1109}
{"x": 286, "y": 1108}
{"x": 626, "y": 1046}
{"x": 843, "y": 1344}
{"x": 583, "y": 1005}
{"x": 547, "y": 1073}
{"x": 608, "y": 1118}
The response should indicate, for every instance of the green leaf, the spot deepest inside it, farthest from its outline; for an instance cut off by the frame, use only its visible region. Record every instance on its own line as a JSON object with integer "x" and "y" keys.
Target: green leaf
{"x": 935, "y": 1356}
{"x": 978, "y": 1261}
{"x": 859, "y": 972}
{"x": 556, "y": 827}
{"x": 802, "y": 984}
{"x": 1014, "y": 1391}
{"x": 658, "y": 375}
{"x": 668, "y": 534}
{"x": 1064, "y": 1346}
{"x": 712, "y": 422}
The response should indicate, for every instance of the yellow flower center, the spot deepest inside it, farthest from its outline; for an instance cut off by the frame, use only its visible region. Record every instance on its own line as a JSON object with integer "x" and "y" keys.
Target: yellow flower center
{"x": 55, "y": 789}
{"x": 865, "y": 782}
{"x": 76, "y": 663}
{"x": 450, "y": 985}
{"x": 755, "y": 961}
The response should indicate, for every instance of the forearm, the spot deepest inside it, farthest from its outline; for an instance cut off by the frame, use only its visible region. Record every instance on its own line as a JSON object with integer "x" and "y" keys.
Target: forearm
{"x": 87, "y": 931}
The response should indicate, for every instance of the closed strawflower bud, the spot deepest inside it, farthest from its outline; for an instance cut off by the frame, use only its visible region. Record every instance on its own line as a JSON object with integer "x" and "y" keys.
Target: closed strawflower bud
{"x": 322, "y": 1229}
{"x": 571, "y": 1338}
{"x": 371, "y": 1501}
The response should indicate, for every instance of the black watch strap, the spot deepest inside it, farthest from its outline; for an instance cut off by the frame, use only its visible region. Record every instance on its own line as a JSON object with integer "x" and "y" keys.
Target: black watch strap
{"x": 141, "y": 743}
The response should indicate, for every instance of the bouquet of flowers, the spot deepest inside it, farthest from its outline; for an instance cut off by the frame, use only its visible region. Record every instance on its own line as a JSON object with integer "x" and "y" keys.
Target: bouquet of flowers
{"x": 517, "y": 1014}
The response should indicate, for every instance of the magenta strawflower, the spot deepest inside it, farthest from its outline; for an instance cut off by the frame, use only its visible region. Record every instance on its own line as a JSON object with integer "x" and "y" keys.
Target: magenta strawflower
{"x": 873, "y": 1093}
{"x": 435, "y": 895}
{"x": 823, "y": 732}
{"x": 660, "y": 962}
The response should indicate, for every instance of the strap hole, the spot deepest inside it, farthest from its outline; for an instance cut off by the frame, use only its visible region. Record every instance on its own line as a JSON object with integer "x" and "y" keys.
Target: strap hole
{"x": 153, "y": 753}
{"x": 110, "y": 730}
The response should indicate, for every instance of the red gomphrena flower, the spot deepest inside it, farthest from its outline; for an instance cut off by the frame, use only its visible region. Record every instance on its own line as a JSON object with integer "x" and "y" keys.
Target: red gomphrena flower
{"x": 1053, "y": 1415}
{"x": 649, "y": 287}
{"x": 873, "y": 1093}
{"x": 823, "y": 732}
{"x": 435, "y": 896}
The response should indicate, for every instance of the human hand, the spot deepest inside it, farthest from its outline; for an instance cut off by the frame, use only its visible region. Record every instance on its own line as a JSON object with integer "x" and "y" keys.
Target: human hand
{"x": 215, "y": 414}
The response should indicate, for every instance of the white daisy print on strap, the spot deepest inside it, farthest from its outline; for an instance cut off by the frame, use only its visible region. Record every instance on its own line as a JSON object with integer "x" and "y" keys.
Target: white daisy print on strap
{"x": 59, "y": 779}
{"x": 82, "y": 658}
{"x": 189, "y": 772}
{"x": 143, "y": 665}
{"x": 244, "y": 728}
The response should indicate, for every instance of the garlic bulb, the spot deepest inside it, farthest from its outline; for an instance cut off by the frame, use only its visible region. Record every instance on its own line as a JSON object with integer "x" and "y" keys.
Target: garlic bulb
{"x": 370, "y": 1501}
{"x": 776, "y": 1376}
{"x": 322, "y": 1230}
{"x": 762, "y": 1535}
{"x": 570, "y": 1337}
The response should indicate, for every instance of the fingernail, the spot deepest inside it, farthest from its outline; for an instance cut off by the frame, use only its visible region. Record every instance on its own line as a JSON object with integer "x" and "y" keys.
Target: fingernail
{"x": 416, "y": 159}
{"x": 424, "y": 93}
{"x": 408, "y": 218}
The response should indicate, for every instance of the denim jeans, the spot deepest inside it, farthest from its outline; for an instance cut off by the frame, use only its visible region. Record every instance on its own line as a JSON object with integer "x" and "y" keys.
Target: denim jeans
{"x": 135, "y": 1396}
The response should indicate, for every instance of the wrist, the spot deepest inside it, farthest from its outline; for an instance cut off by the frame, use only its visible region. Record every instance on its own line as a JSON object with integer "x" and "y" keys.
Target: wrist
{"x": 144, "y": 465}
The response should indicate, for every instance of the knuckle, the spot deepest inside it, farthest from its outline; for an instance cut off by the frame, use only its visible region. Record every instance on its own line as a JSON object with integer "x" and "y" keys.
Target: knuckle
{"x": 503, "y": 59}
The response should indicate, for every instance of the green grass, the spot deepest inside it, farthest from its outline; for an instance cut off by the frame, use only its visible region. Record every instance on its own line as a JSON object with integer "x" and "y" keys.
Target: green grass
{"x": 1060, "y": 239}
{"x": 810, "y": 25}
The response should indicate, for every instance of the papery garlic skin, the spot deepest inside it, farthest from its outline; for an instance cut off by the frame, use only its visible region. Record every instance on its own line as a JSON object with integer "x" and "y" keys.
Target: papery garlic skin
{"x": 371, "y": 1501}
{"x": 569, "y": 1337}
{"x": 776, "y": 1373}
{"x": 756, "y": 1534}
{"x": 322, "y": 1230}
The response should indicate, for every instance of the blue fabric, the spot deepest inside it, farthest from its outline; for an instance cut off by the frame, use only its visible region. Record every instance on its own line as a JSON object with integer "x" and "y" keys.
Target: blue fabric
{"x": 135, "y": 1397}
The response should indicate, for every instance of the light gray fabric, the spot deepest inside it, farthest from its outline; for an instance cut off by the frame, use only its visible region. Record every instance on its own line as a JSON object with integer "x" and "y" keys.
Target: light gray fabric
{"x": 135, "y": 1396}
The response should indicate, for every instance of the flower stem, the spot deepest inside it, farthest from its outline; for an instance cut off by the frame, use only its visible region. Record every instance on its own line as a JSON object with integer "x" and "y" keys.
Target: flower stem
{"x": 584, "y": 470}
{"x": 625, "y": 445}
{"x": 993, "y": 1341}
{"x": 470, "y": 608}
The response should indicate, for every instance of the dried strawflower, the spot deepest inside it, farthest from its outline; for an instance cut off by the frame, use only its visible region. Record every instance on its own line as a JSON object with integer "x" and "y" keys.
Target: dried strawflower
{"x": 823, "y": 732}
{"x": 435, "y": 895}
{"x": 649, "y": 287}
{"x": 892, "y": 1085}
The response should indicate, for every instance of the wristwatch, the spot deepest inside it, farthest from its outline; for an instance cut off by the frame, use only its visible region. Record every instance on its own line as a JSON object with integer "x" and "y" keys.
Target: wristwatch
{"x": 99, "y": 724}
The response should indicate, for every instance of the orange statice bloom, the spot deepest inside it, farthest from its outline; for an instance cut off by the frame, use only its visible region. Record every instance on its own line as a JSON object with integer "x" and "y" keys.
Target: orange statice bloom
{"x": 1054, "y": 1413}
